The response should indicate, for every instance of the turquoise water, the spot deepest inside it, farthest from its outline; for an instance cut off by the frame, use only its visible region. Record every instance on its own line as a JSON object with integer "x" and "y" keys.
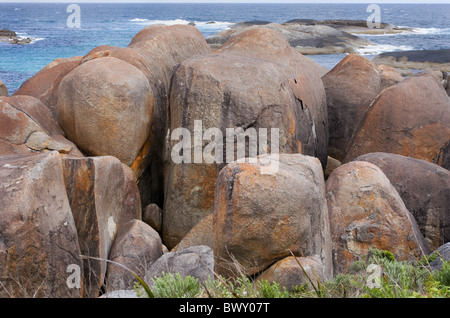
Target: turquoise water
{"x": 116, "y": 24}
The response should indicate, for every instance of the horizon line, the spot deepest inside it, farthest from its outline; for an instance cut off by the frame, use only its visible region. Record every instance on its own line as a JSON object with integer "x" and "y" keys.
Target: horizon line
{"x": 222, "y": 2}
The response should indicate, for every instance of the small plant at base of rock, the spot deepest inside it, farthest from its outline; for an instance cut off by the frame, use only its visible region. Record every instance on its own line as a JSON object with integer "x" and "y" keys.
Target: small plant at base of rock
{"x": 427, "y": 259}
{"x": 302, "y": 291}
{"x": 271, "y": 290}
{"x": 346, "y": 285}
{"x": 443, "y": 275}
{"x": 140, "y": 291}
{"x": 375, "y": 254}
{"x": 174, "y": 286}
{"x": 243, "y": 286}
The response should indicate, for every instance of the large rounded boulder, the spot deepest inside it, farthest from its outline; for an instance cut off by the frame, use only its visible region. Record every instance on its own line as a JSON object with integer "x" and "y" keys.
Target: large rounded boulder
{"x": 424, "y": 188}
{"x": 411, "y": 118}
{"x": 27, "y": 126}
{"x": 105, "y": 106}
{"x": 260, "y": 218}
{"x": 39, "y": 247}
{"x": 350, "y": 87}
{"x": 367, "y": 212}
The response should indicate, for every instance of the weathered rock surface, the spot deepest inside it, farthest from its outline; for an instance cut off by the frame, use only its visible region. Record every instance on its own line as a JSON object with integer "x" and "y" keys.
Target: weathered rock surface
{"x": 195, "y": 261}
{"x": 254, "y": 81}
{"x": 350, "y": 87}
{"x": 367, "y": 212}
{"x": 200, "y": 234}
{"x": 259, "y": 218}
{"x": 424, "y": 188}
{"x": 411, "y": 119}
{"x": 443, "y": 253}
{"x": 131, "y": 202}
{"x": 288, "y": 273}
{"x": 37, "y": 111}
{"x": 27, "y": 126}
{"x": 389, "y": 76}
{"x": 3, "y": 89}
{"x": 152, "y": 215}
{"x": 332, "y": 165}
{"x": 97, "y": 188}
{"x": 38, "y": 235}
{"x": 98, "y": 100}
{"x": 136, "y": 246}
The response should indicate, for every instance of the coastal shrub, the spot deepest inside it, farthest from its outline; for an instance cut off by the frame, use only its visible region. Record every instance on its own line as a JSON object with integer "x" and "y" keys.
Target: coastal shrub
{"x": 443, "y": 276}
{"x": 271, "y": 290}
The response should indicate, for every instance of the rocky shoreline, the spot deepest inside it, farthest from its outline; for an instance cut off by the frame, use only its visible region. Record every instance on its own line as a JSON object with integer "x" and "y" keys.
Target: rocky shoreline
{"x": 87, "y": 168}
{"x": 312, "y": 37}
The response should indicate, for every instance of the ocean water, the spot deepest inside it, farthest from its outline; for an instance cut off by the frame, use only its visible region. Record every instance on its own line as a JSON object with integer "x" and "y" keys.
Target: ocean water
{"x": 116, "y": 24}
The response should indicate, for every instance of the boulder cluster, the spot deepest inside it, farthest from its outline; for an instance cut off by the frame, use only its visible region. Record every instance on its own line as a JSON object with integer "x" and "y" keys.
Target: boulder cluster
{"x": 88, "y": 180}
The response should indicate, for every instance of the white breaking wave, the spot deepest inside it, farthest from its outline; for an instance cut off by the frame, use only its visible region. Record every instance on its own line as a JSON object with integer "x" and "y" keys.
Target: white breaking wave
{"x": 431, "y": 30}
{"x": 167, "y": 22}
{"x": 214, "y": 25}
{"x": 421, "y": 31}
{"x": 426, "y": 30}
{"x": 22, "y": 36}
{"x": 383, "y": 48}
{"x": 33, "y": 40}
{"x": 159, "y": 22}
{"x": 138, "y": 20}
{"x": 376, "y": 35}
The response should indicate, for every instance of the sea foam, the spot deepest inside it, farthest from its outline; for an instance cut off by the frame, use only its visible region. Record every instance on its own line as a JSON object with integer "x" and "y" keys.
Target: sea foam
{"x": 383, "y": 48}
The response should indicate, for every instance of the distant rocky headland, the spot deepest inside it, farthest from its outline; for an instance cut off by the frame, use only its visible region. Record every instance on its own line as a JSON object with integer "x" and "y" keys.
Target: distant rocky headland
{"x": 11, "y": 37}
{"x": 416, "y": 59}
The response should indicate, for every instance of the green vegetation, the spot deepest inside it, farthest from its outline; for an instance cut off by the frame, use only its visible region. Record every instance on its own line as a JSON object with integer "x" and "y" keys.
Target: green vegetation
{"x": 396, "y": 280}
